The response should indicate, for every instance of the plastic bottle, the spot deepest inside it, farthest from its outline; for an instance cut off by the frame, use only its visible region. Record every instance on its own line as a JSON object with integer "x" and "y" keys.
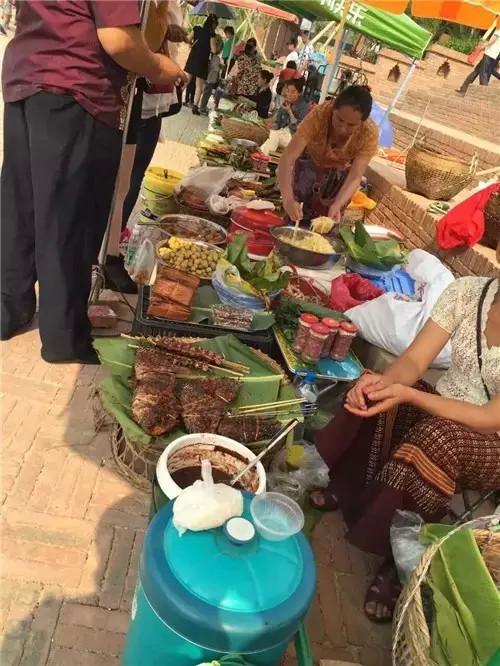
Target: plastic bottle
{"x": 133, "y": 245}
{"x": 306, "y": 387}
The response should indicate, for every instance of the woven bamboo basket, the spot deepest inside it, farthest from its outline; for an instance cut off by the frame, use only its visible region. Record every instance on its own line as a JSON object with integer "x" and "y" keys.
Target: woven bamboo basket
{"x": 232, "y": 128}
{"x": 492, "y": 221}
{"x": 137, "y": 463}
{"x": 437, "y": 176}
{"x": 411, "y": 636}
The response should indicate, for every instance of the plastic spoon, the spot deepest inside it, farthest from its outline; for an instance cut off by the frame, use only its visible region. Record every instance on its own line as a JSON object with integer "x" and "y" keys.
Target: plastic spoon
{"x": 283, "y": 432}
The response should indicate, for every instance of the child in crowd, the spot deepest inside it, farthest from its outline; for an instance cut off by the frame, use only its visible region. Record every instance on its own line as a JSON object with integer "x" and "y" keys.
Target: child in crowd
{"x": 227, "y": 49}
{"x": 264, "y": 96}
{"x": 214, "y": 68}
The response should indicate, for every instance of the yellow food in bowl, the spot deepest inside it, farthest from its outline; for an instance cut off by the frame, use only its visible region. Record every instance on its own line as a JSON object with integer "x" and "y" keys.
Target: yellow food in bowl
{"x": 322, "y": 224}
{"x": 189, "y": 257}
{"x": 313, "y": 242}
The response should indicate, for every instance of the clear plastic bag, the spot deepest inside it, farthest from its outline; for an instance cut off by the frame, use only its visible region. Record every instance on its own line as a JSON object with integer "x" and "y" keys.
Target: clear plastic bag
{"x": 206, "y": 505}
{"x": 405, "y": 541}
{"x": 144, "y": 263}
{"x": 207, "y": 180}
{"x": 312, "y": 473}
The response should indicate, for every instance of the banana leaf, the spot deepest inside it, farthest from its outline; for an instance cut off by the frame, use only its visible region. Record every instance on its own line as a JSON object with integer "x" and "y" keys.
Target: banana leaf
{"x": 383, "y": 255}
{"x": 263, "y": 276}
{"x": 263, "y": 384}
{"x": 313, "y": 308}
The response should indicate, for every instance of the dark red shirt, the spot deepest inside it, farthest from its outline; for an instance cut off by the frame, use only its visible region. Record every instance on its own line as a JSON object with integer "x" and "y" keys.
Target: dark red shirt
{"x": 56, "y": 49}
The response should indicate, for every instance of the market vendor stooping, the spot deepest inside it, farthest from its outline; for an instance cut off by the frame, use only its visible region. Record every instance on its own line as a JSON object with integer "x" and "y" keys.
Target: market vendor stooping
{"x": 325, "y": 161}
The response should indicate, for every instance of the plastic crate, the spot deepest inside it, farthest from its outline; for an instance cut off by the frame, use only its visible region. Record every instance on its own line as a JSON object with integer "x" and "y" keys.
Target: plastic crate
{"x": 151, "y": 326}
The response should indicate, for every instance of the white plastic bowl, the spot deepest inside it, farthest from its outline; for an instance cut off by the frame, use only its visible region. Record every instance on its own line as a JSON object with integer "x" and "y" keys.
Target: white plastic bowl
{"x": 275, "y": 516}
{"x": 168, "y": 485}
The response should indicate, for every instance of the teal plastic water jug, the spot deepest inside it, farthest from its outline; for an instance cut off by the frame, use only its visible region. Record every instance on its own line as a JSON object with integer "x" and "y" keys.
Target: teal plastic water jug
{"x": 203, "y": 595}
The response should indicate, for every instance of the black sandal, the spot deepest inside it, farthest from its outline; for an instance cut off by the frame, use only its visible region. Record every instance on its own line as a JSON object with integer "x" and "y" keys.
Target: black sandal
{"x": 384, "y": 591}
{"x": 330, "y": 502}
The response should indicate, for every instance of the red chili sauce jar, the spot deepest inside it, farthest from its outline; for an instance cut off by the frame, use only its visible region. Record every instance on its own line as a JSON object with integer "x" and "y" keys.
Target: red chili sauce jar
{"x": 343, "y": 340}
{"x": 332, "y": 326}
{"x": 306, "y": 320}
{"x": 314, "y": 343}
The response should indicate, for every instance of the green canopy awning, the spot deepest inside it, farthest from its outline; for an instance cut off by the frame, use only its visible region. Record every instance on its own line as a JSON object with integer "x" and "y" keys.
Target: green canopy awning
{"x": 396, "y": 31}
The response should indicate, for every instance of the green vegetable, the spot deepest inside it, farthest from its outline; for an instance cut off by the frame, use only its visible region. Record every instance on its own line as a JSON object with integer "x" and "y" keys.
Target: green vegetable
{"x": 265, "y": 276}
{"x": 287, "y": 318}
{"x": 377, "y": 254}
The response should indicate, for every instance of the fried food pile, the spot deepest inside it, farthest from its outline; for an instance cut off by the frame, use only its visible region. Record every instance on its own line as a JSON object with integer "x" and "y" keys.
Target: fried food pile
{"x": 161, "y": 401}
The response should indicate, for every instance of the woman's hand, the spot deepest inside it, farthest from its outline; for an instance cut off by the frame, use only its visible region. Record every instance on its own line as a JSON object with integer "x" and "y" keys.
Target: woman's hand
{"x": 356, "y": 397}
{"x": 335, "y": 212}
{"x": 384, "y": 397}
{"x": 167, "y": 71}
{"x": 294, "y": 209}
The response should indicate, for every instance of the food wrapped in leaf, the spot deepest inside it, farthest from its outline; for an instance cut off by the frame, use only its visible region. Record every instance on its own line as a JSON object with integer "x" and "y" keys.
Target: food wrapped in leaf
{"x": 382, "y": 255}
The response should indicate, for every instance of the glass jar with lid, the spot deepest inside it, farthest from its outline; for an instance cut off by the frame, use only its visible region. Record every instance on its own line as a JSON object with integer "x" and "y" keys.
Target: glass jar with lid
{"x": 332, "y": 326}
{"x": 315, "y": 340}
{"x": 343, "y": 340}
{"x": 306, "y": 320}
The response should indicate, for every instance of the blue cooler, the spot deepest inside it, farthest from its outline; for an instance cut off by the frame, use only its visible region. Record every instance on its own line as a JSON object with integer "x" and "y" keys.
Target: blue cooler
{"x": 203, "y": 595}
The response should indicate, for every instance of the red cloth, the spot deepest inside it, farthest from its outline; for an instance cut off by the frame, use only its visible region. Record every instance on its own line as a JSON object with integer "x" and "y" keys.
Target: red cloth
{"x": 464, "y": 224}
{"x": 349, "y": 290}
{"x": 56, "y": 49}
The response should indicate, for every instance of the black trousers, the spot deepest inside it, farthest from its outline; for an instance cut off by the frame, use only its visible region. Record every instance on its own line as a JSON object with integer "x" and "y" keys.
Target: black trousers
{"x": 190, "y": 91}
{"x": 58, "y": 177}
{"x": 147, "y": 138}
{"x": 485, "y": 69}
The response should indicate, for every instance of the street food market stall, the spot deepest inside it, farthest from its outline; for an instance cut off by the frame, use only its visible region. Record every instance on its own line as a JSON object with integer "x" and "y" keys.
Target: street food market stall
{"x": 242, "y": 323}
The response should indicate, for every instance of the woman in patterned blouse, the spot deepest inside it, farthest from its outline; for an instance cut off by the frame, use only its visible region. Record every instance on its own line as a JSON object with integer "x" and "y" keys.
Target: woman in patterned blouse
{"x": 400, "y": 444}
{"x": 325, "y": 161}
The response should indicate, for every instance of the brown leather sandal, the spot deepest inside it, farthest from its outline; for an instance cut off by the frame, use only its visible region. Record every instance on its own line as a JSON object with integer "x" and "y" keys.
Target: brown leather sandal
{"x": 330, "y": 502}
{"x": 383, "y": 592}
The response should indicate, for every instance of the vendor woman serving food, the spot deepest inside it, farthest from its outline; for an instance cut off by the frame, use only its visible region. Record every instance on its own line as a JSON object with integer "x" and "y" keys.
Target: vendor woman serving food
{"x": 323, "y": 164}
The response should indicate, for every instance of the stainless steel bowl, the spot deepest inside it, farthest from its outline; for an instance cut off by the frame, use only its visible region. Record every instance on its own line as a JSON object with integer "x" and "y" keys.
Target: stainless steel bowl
{"x": 167, "y": 222}
{"x": 300, "y": 256}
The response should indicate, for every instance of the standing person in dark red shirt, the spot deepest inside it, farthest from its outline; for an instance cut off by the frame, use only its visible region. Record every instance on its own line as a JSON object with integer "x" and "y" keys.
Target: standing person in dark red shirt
{"x": 65, "y": 84}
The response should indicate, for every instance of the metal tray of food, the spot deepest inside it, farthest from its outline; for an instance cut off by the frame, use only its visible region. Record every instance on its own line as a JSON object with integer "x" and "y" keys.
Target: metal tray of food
{"x": 193, "y": 228}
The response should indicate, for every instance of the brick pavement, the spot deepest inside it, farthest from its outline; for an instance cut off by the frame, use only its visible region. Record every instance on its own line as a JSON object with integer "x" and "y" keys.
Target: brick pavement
{"x": 72, "y": 531}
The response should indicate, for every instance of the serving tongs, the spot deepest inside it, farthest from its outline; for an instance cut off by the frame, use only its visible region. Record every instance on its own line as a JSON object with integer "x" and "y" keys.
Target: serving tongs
{"x": 281, "y": 434}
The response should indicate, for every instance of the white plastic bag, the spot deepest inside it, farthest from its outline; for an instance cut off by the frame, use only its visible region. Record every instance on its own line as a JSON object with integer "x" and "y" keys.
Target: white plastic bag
{"x": 207, "y": 180}
{"x": 223, "y": 205}
{"x": 391, "y": 323}
{"x": 206, "y": 504}
{"x": 405, "y": 542}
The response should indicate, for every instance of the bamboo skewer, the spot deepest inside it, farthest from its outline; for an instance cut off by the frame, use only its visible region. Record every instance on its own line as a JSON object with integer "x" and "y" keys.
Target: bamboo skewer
{"x": 239, "y": 369}
{"x": 212, "y": 367}
{"x": 246, "y": 409}
{"x": 229, "y": 372}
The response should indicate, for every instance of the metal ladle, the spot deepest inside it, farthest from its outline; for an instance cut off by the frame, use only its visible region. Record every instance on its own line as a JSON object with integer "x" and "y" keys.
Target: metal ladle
{"x": 283, "y": 432}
